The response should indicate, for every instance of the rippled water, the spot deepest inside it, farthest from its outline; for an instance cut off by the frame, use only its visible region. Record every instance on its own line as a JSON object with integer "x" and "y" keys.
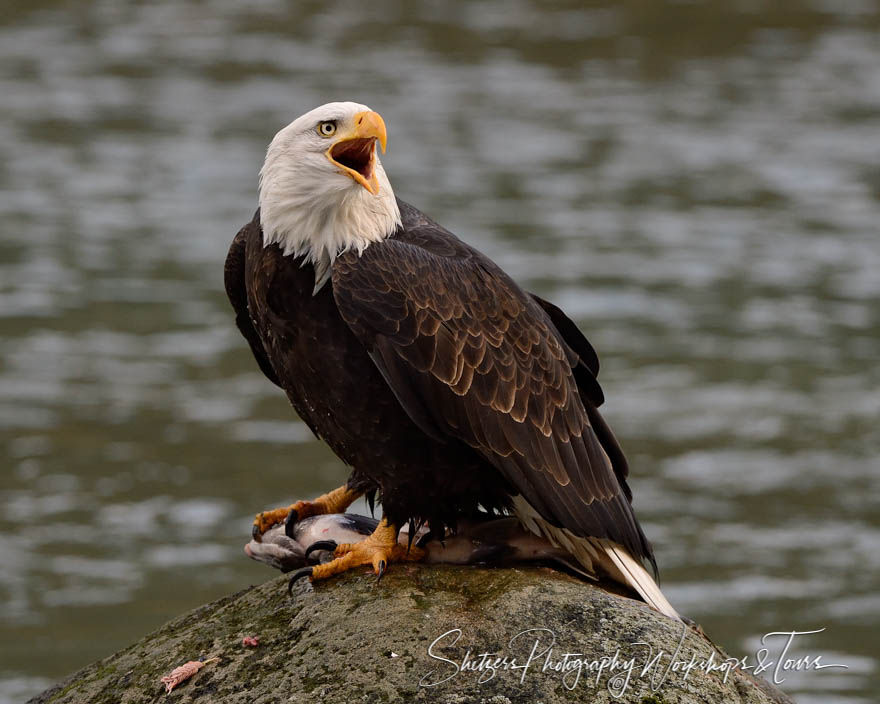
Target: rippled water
{"x": 698, "y": 185}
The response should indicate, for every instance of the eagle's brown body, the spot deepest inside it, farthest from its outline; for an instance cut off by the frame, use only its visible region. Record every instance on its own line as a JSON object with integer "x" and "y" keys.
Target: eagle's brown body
{"x": 305, "y": 346}
{"x": 442, "y": 383}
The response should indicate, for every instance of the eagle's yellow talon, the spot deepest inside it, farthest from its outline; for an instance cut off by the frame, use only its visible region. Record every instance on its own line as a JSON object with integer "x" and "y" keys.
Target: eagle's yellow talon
{"x": 335, "y": 501}
{"x": 266, "y": 519}
{"x": 379, "y": 550}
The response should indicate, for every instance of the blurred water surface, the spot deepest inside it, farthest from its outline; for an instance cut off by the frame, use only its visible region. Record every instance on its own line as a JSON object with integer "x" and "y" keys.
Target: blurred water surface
{"x": 698, "y": 185}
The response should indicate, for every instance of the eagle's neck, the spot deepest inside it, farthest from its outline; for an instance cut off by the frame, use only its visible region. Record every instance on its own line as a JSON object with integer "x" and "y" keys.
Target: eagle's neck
{"x": 307, "y": 217}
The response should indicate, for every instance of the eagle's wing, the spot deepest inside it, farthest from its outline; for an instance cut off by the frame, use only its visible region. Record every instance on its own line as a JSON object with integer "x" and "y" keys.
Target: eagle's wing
{"x": 470, "y": 355}
{"x": 234, "y": 277}
{"x": 585, "y": 374}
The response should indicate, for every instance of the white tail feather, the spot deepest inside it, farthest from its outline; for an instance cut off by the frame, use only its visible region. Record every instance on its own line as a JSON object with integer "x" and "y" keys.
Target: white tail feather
{"x": 613, "y": 559}
{"x": 636, "y": 577}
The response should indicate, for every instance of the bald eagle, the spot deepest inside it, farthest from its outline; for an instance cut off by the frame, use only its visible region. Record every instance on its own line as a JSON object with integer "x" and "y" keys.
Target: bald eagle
{"x": 446, "y": 387}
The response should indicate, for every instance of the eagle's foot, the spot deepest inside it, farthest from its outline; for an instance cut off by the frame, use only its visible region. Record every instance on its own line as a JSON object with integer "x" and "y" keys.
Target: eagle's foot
{"x": 379, "y": 550}
{"x": 335, "y": 501}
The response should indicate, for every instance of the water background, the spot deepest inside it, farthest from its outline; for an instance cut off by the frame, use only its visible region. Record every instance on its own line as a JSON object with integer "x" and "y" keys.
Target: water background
{"x": 697, "y": 184}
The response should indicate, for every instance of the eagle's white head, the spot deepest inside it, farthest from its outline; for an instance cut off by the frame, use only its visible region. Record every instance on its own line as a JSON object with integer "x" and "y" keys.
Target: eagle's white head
{"x": 322, "y": 188}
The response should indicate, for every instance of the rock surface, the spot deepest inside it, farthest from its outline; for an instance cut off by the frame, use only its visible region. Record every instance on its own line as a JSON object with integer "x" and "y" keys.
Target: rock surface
{"x": 351, "y": 640}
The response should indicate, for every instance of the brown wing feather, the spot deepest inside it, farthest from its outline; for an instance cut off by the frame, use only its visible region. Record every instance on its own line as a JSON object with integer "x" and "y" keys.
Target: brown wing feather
{"x": 234, "y": 278}
{"x": 470, "y": 355}
{"x": 591, "y": 393}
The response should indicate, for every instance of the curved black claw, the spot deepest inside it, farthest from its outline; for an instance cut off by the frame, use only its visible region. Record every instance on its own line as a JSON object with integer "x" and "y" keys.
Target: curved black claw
{"x": 381, "y": 571}
{"x": 290, "y": 522}
{"x": 256, "y": 534}
{"x": 299, "y": 574}
{"x": 321, "y": 545}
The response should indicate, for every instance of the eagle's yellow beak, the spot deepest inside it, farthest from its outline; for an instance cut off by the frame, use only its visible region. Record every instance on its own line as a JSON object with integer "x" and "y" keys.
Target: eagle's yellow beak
{"x": 355, "y": 152}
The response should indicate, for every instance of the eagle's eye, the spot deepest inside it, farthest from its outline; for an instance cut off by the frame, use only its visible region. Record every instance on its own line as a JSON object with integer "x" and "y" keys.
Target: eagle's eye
{"x": 327, "y": 129}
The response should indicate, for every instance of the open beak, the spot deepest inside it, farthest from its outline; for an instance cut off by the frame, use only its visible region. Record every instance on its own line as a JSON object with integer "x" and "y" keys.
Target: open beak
{"x": 355, "y": 153}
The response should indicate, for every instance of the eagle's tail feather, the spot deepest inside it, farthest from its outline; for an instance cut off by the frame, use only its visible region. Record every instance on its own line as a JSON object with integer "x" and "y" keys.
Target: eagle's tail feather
{"x": 637, "y": 577}
{"x": 592, "y": 553}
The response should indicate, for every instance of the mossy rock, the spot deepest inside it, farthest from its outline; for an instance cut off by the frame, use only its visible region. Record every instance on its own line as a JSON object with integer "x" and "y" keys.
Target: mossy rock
{"x": 352, "y": 640}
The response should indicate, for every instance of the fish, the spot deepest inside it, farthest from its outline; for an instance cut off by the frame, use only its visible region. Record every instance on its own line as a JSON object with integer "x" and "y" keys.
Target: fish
{"x": 486, "y": 541}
